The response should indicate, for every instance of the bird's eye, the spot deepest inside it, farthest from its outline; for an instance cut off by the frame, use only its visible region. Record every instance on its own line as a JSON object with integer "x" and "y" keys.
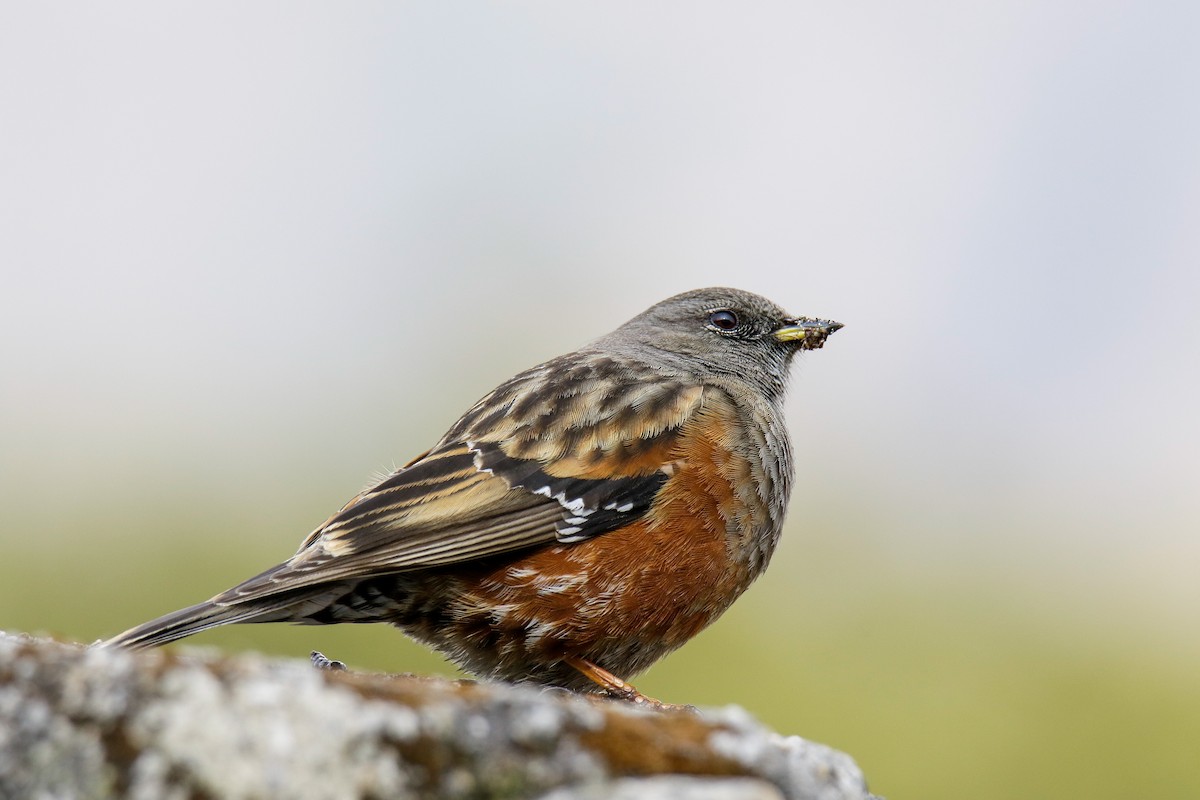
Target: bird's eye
{"x": 723, "y": 320}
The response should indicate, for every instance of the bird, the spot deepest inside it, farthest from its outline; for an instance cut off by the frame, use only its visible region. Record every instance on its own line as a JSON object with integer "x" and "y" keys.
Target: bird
{"x": 579, "y": 522}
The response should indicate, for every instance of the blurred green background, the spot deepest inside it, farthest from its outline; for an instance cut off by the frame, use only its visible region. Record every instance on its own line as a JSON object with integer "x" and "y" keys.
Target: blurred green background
{"x": 252, "y": 254}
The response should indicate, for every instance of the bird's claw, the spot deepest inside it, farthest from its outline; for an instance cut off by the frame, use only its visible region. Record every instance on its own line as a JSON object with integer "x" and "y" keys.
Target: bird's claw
{"x": 321, "y": 662}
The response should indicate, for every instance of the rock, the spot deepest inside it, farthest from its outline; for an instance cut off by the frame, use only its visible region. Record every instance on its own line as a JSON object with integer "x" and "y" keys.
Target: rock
{"x": 79, "y": 722}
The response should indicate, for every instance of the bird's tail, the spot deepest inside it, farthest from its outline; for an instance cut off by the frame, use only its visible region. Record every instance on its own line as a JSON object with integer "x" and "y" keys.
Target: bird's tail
{"x": 184, "y": 622}
{"x": 288, "y": 606}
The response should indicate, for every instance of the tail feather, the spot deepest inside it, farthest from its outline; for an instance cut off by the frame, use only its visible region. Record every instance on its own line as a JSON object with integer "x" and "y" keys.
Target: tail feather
{"x": 294, "y": 606}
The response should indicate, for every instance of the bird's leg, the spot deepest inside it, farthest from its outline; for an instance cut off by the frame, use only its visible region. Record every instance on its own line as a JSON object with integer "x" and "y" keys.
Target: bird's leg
{"x": 613, "y": 686}
{"x": 321, "y": 662}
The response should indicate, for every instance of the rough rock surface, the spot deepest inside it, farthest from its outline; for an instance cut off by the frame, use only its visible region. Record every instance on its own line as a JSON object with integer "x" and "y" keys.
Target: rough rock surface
{"x": 78, "y": 722}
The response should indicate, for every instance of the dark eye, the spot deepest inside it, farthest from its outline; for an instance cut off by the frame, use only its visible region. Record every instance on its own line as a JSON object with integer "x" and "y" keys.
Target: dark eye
{"x": 723, "y": 320}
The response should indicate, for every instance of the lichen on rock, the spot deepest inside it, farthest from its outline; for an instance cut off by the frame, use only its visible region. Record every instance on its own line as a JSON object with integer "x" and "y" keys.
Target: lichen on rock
{"x": 80, "y": 722}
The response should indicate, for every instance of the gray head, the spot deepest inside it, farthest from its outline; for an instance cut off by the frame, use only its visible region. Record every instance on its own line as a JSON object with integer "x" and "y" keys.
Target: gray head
{"x": 722, "y": 331}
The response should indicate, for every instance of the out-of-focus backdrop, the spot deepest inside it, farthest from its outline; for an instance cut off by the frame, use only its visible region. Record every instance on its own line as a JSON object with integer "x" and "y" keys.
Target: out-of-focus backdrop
{"x": 252, "y": 254}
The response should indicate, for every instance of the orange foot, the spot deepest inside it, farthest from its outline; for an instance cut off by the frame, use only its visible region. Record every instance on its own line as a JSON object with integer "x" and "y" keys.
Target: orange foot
{"x": 615, "y": 687}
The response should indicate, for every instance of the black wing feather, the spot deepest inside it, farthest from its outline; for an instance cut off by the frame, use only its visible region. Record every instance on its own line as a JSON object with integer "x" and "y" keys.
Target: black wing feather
{"x": 590, "y": 506}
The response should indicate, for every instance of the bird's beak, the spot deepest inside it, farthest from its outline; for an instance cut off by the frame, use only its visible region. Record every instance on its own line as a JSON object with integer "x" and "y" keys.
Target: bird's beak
{"x": 809, "y": 334}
